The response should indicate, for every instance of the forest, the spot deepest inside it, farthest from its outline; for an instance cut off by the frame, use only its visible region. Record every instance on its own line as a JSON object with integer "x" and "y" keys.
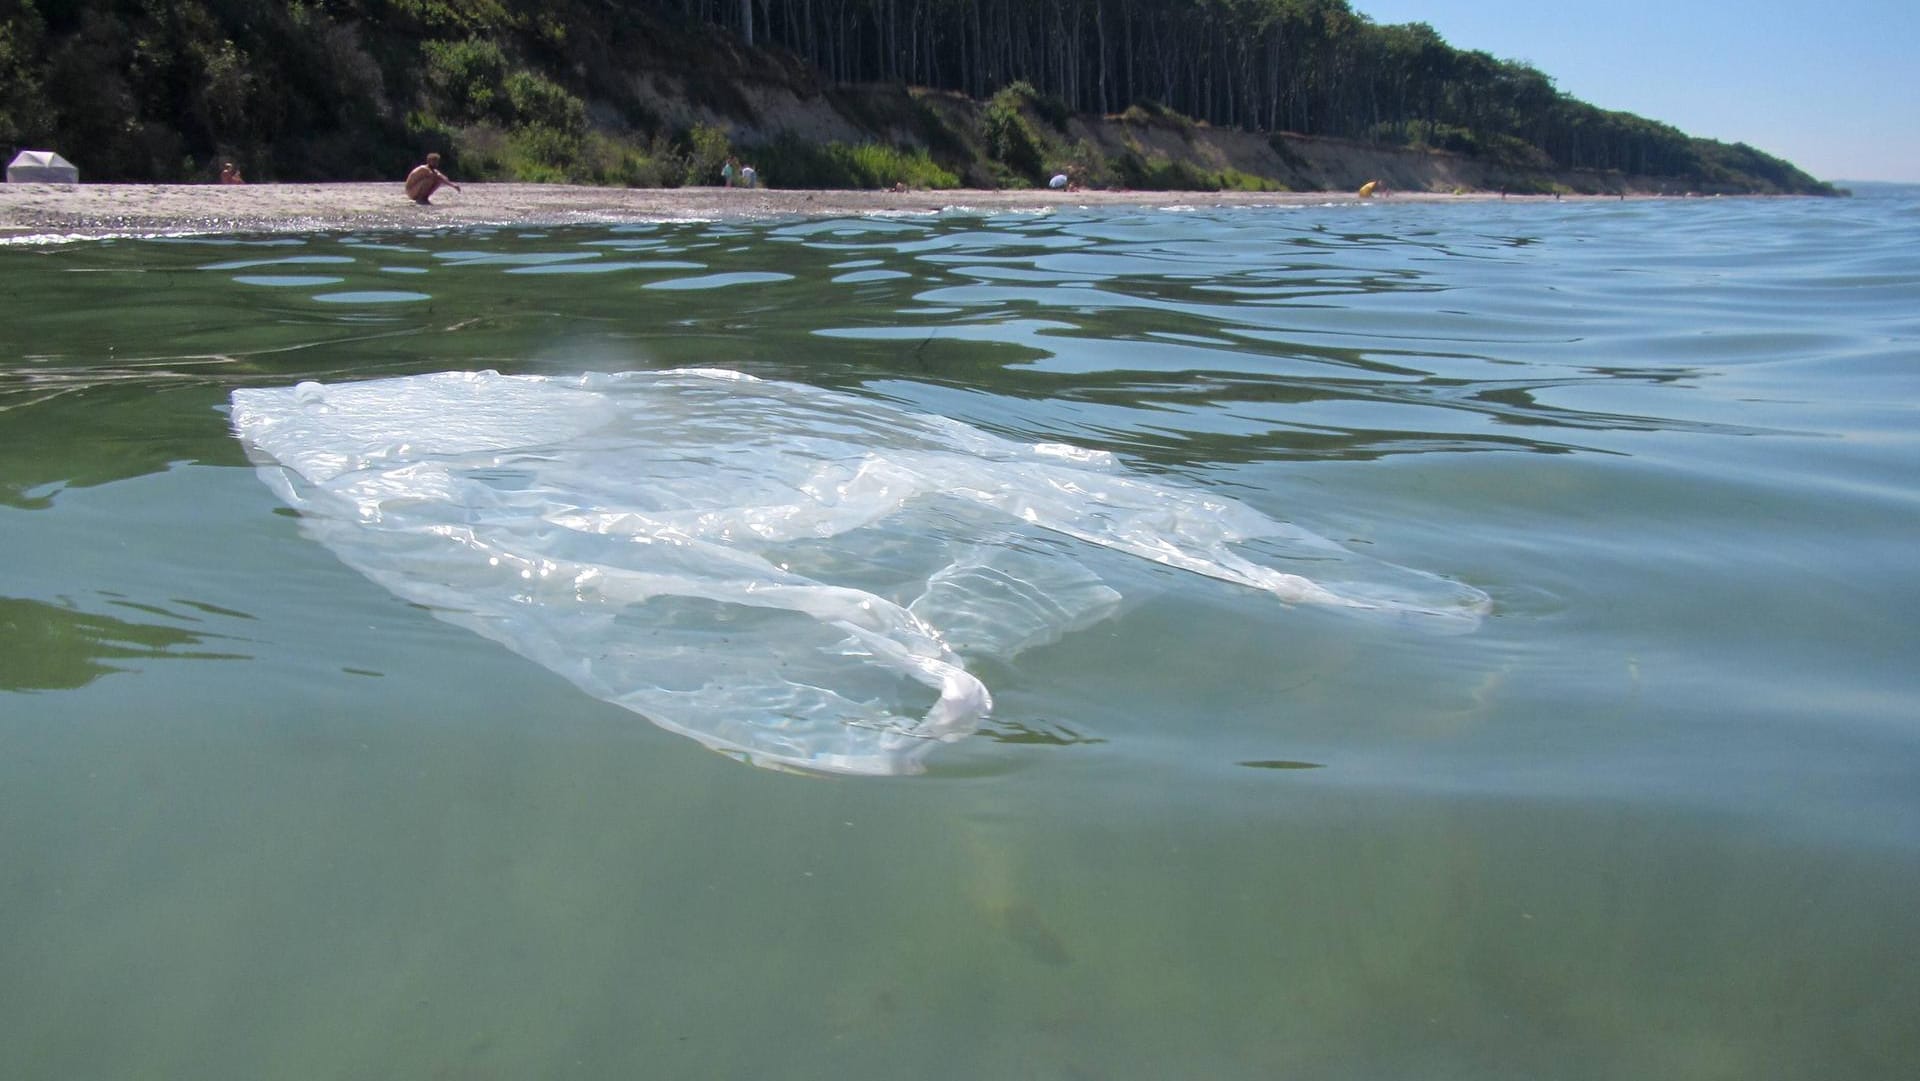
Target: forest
{"x": 551, "y": 89}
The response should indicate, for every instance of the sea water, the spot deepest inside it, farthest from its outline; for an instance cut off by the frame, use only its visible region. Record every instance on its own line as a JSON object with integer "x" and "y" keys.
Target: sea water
{"x": 1655, "y": 812}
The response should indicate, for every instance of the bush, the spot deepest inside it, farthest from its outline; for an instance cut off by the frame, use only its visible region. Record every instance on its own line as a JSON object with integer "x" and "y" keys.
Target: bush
{"x": 482, "y": 16}
{"x": 466, "y": 78}
{"x": 1054, "y": 111}
{"x": 612, "y": 161}
{"x": 1235, "y": 180}
{"x": 707, "y": 150}
{"x": 1163, "y": 174}
{"x": 533, "y": 101}
{"x": 875, "y": 165}
{"x": 428, "y": 133}
{"x": 798, "y": 163}
{"x": 1148, "y": 113}
{"x": 1084, "y": 162}
{"x": 601, "y": 159}
{"x": 542, "y": 155}
{"x": 1010, "y": 139}
{"x": 25, "y": 118}
{"x": 933, "y": 130}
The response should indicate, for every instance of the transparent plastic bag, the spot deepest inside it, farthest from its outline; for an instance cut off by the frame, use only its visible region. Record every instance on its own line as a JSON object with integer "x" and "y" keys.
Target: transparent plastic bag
{"x": 791, "y": 575}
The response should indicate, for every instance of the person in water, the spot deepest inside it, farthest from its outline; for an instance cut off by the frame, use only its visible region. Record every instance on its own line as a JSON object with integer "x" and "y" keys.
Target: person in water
{"x": 426, "y": 179}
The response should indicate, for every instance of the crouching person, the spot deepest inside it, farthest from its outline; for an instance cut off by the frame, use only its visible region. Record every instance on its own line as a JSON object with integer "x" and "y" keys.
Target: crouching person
{"x": 426, "y": 179}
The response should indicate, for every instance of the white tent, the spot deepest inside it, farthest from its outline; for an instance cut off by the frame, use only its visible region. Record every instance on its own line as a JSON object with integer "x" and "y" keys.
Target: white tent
{"x": 41, "y": 167}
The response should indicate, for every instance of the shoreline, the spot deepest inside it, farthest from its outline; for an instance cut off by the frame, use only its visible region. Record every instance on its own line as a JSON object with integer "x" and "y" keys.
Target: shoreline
{"x": 53, "y": 211}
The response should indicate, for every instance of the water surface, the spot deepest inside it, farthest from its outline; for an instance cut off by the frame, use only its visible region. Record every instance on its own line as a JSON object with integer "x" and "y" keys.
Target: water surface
{"x": 1658, "y": 815}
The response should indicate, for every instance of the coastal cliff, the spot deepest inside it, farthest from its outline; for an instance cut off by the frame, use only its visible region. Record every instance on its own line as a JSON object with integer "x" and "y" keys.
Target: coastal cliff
{"x": 1269, "y": 95}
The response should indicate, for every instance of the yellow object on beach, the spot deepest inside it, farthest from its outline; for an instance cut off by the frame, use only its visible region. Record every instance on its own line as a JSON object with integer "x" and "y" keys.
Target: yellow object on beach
{"x": 1366, "y": 190}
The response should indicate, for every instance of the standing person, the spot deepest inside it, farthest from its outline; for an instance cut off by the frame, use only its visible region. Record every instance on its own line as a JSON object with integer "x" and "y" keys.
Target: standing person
{"x": 231, "y": 175}
{"x": 727, "y": 172}
{"x": 426, "y": 179}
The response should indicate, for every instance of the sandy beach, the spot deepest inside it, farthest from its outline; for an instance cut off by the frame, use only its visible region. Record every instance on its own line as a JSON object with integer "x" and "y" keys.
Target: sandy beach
{"x": 93, "y": 210}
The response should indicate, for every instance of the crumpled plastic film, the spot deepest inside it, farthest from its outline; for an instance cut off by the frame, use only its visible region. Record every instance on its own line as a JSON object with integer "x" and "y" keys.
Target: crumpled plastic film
{"x": 791, "y": 575}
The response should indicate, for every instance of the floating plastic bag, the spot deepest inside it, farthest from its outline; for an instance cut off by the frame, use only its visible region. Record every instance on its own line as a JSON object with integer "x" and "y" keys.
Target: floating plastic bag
{"x": 791, "y": 575}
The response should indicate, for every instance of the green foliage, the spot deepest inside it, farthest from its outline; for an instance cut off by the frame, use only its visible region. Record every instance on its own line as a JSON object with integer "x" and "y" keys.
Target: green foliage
{"x": 23, "y": 108}
{"x": 876, "y": 165}
{"x": 707, "y": 150}
{"x": 1528, "y": 185}
{"x": 1146, "y": 110}
{"x": 1086, "y": 165}
{"x": 550, "y": 30}
{"x": 538, "y": 155}
{"x": 466, "y": 77}
{"x": 1153, "y": 114}
{"x": 429, "y": 132}
{"x": 1235, "y": 180}
{"x": 797, "y": 163}
{"x": 228, "y": 87}
{"x": 1050, "y": 108}
{"x": 535, "y": 102}
{"x": 542, "y": 154}
{"x": 1740, "y": 167}
{"x": 630, "y": 164}
{"x": 473, "y": 84}
{"x": 455, "y": 16}
{"x": 1161, "y": 173}
{"x": 933, "y": 129}
{"x": 1011, "y": 141}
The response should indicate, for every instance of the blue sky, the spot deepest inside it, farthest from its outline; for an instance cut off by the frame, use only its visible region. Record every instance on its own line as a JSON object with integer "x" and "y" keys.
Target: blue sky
{"x": 1833, "y": 88}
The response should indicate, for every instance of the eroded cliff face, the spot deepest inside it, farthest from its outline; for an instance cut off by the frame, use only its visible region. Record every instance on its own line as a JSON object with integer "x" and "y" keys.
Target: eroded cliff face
{"x": 1100, "y": 150}
{"x": 1313, "y": 163}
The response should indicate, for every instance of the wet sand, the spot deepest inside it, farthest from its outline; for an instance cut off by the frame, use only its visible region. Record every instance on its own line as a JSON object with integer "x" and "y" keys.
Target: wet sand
{"x": 93, "y": 210}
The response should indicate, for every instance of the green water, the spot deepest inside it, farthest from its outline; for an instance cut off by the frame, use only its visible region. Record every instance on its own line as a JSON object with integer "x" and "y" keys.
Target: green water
{"x": 1658, "y": 816}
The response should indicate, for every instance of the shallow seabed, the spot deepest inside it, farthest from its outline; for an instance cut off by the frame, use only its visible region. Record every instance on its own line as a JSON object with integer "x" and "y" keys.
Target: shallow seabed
{"x": 1655, "y": 816}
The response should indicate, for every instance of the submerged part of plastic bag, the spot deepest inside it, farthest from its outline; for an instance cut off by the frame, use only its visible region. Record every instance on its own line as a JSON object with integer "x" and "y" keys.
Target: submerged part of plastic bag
{"x": 792, "y": 575}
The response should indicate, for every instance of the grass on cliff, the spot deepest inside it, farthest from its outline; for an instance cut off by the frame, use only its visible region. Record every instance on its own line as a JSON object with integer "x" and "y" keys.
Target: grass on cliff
{"x": 792, "y": 162}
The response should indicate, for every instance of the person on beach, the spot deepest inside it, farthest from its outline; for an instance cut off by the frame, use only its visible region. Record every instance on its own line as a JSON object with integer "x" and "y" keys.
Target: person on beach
{"x": 426, "y": 179}
{"x": 749, "y": 178}
{"x": 231, "y": 175}
{"x": 728, "y": 171}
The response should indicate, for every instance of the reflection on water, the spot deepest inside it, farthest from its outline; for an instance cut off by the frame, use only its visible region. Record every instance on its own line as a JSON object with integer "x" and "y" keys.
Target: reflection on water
{"x": 75, "y": 427}
{"x": 1038, "y": 733}
{"x": 1656, "y": 817}
{"x": 58, "y": 647}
